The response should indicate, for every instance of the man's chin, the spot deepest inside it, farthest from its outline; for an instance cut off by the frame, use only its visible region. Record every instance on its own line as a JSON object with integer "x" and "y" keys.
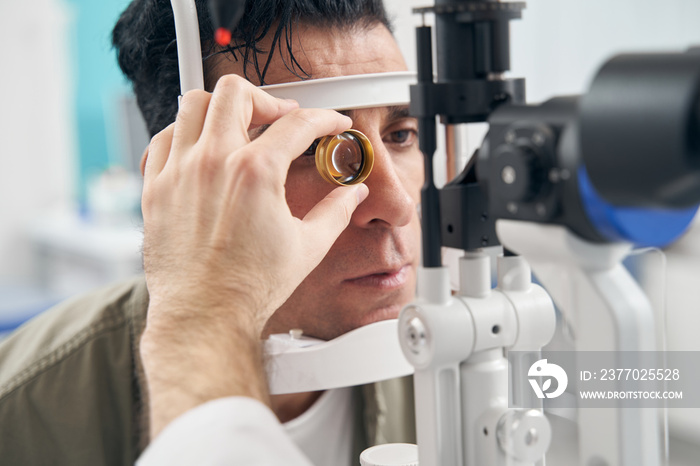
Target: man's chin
{"x": 379, "y": 314}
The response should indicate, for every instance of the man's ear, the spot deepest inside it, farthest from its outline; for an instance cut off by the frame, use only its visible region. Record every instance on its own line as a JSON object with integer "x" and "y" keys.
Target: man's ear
{"x": 144, "y": 157}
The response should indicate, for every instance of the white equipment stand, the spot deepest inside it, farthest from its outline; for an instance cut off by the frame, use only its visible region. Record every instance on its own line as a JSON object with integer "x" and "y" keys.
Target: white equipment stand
{"x": 609, "y": 312}
{"x": 457, "y": 345}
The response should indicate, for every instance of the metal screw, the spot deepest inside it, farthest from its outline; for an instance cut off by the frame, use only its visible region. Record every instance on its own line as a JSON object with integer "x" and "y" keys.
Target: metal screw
{"x": 512, "y": 207}
{"x": 416, "y": 335}
{"x": 554, "y": 175}
{"x": 531, "y": 437}
{"x": 538, "y": 139}
{"x": 510, "y": 137}
{"x": 508, "y": 174}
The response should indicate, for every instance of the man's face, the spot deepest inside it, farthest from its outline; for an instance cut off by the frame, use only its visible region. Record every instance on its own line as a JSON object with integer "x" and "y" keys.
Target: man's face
{"x": 370, "y": 272}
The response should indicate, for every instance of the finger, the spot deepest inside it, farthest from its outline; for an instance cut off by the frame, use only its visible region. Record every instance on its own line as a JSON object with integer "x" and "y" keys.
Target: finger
{"x": 235, "y": 106}
{"x": 292, "y": 134}
{"x": 190, "y": 118}
{"x": 157, "y": 153}
{"x": 326, "y": 221}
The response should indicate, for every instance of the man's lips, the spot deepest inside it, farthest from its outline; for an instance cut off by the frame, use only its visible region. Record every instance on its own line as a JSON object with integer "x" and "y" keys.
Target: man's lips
{"x": 387, "y": 280}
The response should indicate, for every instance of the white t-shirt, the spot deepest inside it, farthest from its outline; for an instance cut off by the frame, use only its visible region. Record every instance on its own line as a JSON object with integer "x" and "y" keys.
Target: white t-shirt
{"x": 324, "y": 432}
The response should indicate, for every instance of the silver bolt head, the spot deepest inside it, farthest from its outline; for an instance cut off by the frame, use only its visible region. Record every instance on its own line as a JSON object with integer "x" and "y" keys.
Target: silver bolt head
{"x": 416, "y": 335}
{"x": 508, "y": 174}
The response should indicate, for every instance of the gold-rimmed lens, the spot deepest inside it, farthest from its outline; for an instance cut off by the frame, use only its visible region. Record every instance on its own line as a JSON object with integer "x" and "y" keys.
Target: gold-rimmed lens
{"x": 345, "y": 159}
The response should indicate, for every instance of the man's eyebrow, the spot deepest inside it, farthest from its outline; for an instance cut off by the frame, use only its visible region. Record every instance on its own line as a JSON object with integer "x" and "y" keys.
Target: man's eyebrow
{"x": 397, "y": 112}
{"x": 394, "y": 112}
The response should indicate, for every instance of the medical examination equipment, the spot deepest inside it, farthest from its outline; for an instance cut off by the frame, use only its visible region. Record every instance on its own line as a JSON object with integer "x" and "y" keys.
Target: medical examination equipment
{"x": 545, "y": 184}
{"x": 551, "y": 175}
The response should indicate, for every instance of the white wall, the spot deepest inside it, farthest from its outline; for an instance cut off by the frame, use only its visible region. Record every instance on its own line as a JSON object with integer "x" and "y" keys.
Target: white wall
{"x": 36, "y": 123}
{"x": 559, "y": 44}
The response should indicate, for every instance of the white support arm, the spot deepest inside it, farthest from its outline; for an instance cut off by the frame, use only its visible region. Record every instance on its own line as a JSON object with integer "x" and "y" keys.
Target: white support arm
{"x": 436, "y": 334}
{"x": 189, "y": 52}
{"x": 368, "y": 354}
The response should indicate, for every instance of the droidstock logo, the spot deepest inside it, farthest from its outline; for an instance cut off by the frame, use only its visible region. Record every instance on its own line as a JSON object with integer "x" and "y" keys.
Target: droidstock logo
{"x": 546, "y": 371}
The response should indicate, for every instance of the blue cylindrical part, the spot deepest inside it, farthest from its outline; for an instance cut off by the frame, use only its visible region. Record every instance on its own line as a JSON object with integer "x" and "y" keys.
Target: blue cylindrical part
{"x": 644, "y": 227}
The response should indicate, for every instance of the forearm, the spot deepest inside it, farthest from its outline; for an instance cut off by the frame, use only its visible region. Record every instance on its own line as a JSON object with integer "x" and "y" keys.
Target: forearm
{"x": 184, "y": 369}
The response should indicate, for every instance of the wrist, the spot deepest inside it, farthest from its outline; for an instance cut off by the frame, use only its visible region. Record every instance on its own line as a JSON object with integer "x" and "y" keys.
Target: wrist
{"x": 213, "y": 354}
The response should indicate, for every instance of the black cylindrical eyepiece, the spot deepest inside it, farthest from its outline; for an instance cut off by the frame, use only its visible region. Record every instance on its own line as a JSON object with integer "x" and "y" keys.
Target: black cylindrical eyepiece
{"x": 640, "y": 130}
{"x": 480, "y": 31}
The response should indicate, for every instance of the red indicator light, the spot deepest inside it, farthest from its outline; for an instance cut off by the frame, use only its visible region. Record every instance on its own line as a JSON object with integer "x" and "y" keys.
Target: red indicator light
{"x": 222, "y": 36}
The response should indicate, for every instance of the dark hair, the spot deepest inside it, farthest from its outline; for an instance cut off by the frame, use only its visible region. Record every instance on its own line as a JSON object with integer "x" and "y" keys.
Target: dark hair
{"x": 144, "y": 38}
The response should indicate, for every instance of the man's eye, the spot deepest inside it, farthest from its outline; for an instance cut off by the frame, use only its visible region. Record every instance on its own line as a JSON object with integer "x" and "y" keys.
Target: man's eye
{"x": 311, "y": 151}
{"x": 403, "y": 137}
{"x": 400, "y": 136}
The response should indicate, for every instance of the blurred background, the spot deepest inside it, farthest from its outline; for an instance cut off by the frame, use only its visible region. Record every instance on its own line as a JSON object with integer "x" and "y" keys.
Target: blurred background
{"x": 71, "y": 138}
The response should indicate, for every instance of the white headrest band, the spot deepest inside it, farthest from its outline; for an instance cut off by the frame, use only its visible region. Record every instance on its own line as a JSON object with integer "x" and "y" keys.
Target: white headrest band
{"x": 348, "y": 92}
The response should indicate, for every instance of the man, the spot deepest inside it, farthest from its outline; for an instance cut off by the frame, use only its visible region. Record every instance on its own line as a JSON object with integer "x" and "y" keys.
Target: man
{"x": 72, "y": 382}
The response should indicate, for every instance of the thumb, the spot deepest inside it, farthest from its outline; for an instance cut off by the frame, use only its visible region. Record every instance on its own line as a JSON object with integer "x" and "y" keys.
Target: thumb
{"x": 326, "y": 221}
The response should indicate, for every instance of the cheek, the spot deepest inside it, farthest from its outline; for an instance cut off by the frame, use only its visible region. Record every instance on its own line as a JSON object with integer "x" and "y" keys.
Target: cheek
{"x": 410, "y": 170}
{"x": 304, "y": 188}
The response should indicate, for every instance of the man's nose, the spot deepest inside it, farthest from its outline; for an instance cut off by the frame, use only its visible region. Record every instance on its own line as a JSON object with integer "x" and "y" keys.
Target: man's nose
{"x": 389, "y": 203}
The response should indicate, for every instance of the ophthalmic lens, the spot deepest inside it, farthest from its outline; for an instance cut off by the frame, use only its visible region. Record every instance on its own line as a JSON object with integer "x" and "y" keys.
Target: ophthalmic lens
{"x": 346, "y": 158}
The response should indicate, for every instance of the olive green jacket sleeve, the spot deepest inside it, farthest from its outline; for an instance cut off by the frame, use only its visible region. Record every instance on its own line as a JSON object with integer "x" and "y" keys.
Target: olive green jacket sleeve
{"x": 69, "y": 385}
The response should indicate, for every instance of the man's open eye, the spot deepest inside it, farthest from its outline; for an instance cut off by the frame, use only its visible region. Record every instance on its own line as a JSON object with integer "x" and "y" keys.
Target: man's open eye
{"x": 402, "y": 137}
{"x": 311, "y": 151}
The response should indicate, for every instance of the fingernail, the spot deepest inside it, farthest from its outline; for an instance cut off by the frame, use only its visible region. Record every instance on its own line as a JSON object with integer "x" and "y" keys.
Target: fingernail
{"x": 362, "y": 192}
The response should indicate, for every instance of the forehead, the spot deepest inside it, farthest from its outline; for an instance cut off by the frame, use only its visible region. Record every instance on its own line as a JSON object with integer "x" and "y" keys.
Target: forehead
{"x": 322, "y": 53}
